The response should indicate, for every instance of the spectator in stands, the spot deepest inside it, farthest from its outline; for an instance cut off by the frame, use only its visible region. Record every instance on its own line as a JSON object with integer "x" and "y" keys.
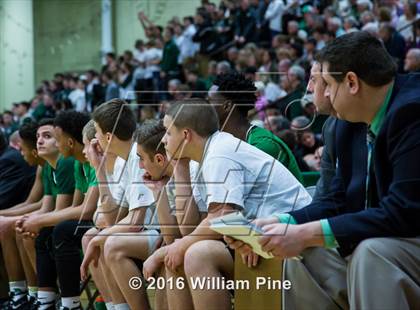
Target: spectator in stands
{"x": 335, "y": 25}
{"x": 211, "y": 73}
{"x": 314, "y": 160}
{"x": 169, "y": 63}
{"x": 92, "y": 81}
{"x": 261, "y": 102}
{"x": 273, "y": 15}
{"x": 15, "y": 173}
{"x": 45, "y": 107}
{"x": 232, "y": 56}
{"x": 268, "y": 64}
{"x": 139, "y": 49}
{"x": 78, "y": 95}
{"x": 406, "y": 21}
{"x": 14, "y": 140}
{"x": 23, "y": 113}
{"x": 294, "y": 32}
{"x": 224, "y": 27}
{"x": 295, "y": 87}
{"x": 188, "y": 48}
{"x": 412, "y": 61}
{"x": 128, "y": 58}
{"x": 205, "y": 34}
{"x": 111, "y": 63}
{"x": 173, "y": 88}
{"x": 196, "y": 84}
{"x": 151, "y": 82}
{"x": 150, "y": 30}
{"x": 223, "y": 67}
{"x": 394, "y": 43}
{"x": 245, "y": 25}
{"x": 307, "y": 142}
{"x": 126, "y": 81}
{"x": 276, "y": 124}
{"x": 350, "y": 24}
{"x": 8, "y": 126}
{"x": 112, "y": 89}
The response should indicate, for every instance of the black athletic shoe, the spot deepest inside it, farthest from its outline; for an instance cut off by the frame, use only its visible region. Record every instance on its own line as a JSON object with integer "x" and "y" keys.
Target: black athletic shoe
{"x": 32, "y": 303}
{"x": 4, "y": 304}
{"x": 38, "y": 304}
{"x": 18, "y": 300}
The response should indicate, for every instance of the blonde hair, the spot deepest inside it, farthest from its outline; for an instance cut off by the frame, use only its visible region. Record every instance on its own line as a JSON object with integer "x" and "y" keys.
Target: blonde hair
{"x": 89, "y": 130}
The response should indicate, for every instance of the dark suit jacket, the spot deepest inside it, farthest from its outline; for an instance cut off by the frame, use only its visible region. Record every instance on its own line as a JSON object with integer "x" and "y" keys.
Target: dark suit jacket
{"x": 329, "y": 158}
{"x": 16, "y": 178}
{"x": 395, "y": 210}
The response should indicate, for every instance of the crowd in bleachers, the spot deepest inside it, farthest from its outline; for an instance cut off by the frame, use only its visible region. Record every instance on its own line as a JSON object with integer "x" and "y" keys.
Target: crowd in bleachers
{"x": 244, "y": 71}
{"x": 271, "y": 42}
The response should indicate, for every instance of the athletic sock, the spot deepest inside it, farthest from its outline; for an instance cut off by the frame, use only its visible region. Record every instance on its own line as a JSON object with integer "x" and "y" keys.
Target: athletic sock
{"x": 70, "y": 302}
{"x": 33, "y": 291}
{"x": 46, "y": 299}
{"x": 109, "y": 306}
{"x": 121, "y": 307}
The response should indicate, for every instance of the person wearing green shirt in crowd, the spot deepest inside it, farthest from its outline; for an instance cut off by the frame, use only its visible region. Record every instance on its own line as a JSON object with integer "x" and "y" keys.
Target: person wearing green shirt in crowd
{"x": 233, "y": 96}
{"x": 44, "y": 108}
{"x": 169, "y": 63}
{"x": 69, "y": 224}
{"x": 58, "y": 188}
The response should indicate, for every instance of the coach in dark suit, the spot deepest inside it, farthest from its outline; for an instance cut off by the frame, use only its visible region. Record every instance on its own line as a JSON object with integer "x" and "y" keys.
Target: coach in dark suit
{"x": 16, "y": 176}
{"x": 361, "y": 243}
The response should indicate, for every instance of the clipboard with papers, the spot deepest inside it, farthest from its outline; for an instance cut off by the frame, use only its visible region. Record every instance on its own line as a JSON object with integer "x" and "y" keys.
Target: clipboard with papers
{"x": 235, "y": 225}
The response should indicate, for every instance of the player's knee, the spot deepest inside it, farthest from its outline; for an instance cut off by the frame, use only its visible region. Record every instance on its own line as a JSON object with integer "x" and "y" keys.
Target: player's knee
{"x": 87, "y": 237}
{"x": 197, "y": 255}
{"x": 112, "y": 249}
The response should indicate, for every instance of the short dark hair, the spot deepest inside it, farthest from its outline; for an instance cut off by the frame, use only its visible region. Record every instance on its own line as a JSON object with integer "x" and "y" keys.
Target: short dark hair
{"x": 116, "y": 117}
{"x": 139, "y": 43}
{"x": 111, "y": 55}
{"x": 194, "y": 113}
{"x": 190, "y": 19}
{"x": 27, "y": 133}
{"x": 361, "y": 53}
{"x": 72, "y": 123}
{"x": 26, "y": 104}
{"x": 45, "y": 122}
{"x": 236, "y": 88}
{"x": 150, "y": 135}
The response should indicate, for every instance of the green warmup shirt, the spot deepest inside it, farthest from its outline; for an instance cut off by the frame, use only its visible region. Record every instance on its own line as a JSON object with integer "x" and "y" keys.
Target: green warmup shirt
{"x": 85, "y": 176}
{"x": 269, "y": 143}
{"x": 59, "y": 180}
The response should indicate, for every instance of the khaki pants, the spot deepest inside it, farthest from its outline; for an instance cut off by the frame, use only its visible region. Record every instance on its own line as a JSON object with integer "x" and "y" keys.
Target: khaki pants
{"x": 382, "y": 273}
